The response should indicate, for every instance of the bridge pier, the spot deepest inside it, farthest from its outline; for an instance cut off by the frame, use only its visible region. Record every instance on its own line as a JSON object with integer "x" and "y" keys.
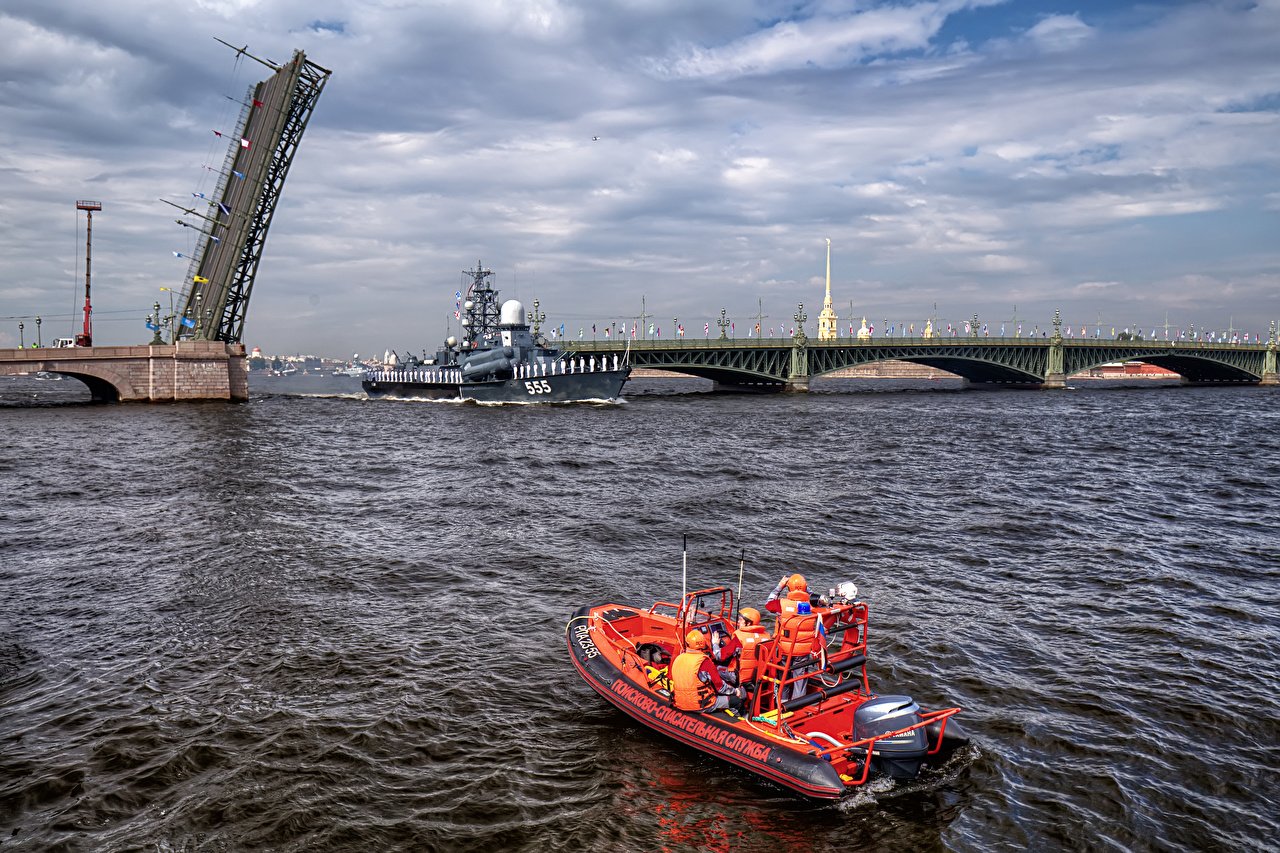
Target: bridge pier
{"x": 1271, "y": 380}
{"x": 1054, "y": 382}
{"x": 187, "y": 370}
{"x": 796, "y": 385}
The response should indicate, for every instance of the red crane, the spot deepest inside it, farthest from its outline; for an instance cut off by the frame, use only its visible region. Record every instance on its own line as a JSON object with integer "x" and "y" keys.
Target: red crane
{"x": 85, "y": 339}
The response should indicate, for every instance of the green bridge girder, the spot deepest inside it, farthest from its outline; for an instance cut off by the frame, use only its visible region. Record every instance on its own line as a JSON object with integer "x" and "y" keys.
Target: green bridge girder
{"x": 789, "y": 363}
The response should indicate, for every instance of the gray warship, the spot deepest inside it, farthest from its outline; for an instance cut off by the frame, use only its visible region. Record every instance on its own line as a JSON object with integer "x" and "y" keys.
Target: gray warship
{"x": 500, "y": 360}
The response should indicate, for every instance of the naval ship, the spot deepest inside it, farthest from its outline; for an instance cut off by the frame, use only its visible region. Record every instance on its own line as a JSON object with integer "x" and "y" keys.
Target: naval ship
{"x": 500, "y": 360}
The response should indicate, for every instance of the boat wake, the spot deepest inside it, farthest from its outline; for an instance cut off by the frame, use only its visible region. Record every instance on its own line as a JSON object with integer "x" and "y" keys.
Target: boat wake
{"x": 931, "y": 779}
{"x": 595, "y": 401}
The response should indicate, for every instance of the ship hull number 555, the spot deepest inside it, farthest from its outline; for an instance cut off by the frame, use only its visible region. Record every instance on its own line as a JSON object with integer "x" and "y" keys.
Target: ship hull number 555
{"x": 537, "y": 386}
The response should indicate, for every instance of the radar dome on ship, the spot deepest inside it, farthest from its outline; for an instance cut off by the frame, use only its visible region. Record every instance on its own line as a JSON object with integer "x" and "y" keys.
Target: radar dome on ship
{"x": 512, "y": 314}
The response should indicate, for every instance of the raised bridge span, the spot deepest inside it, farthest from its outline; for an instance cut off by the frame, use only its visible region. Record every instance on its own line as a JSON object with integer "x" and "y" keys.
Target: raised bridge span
{"x": 204, "y": 358}
{"x": 788, "y": 364}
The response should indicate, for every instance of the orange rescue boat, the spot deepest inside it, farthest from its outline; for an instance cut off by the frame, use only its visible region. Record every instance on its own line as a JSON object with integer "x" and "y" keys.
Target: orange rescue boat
{"x": 831, "y": 739}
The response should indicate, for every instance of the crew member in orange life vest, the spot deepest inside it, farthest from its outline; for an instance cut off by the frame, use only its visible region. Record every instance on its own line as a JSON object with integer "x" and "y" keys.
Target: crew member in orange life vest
{"x": 695, "y": 682}
{"x": 797, "y": 590}
{"x": 750, "y": 634}
{"x": 801, "y": 638}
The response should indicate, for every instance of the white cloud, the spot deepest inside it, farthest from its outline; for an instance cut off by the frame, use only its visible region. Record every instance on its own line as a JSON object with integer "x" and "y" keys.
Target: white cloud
{"x": 945, "y": 164}
{"x": 1060, "y": 33}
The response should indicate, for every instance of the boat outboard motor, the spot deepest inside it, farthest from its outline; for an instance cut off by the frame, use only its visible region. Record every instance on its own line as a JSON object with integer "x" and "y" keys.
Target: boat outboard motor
{"x": 901, "y": 756}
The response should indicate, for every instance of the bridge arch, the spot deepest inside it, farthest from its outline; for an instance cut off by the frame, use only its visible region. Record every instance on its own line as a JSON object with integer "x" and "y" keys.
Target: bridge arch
{"x": 103, "y": 387}
{"x": 982, "y": 364}
{"x": 1205, "y": 365}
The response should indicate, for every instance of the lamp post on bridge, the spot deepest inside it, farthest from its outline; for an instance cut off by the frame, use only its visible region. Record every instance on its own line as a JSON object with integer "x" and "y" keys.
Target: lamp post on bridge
{"x": 723, "y": 324}
{"x": 39, "y": 340}
{"x": 156, "y": 340}
{"x": 537, "y": 318}
{"x": 22, "y": 341}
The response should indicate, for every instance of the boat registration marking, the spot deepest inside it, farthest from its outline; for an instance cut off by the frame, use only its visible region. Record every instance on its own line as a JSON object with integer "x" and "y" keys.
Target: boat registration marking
{"x": 583, "y": 634}
{"x": 537, "y": 386}
{"x": 691, "y": 724}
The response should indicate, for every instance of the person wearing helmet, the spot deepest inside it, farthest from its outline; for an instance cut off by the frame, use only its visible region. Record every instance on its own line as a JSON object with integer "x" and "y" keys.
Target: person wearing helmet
{"x": 801, "y": 643}
{"x": 696, "y": 684}
{"x": 796, "y": 590}
{"x": 750, "y": 634}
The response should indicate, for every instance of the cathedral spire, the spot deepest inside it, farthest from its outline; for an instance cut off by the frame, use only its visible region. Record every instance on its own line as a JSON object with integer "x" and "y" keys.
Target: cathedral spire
{"x": 828, "y": 323}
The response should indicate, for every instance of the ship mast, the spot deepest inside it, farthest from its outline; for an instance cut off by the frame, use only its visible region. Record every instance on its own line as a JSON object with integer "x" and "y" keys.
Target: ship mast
{"x": 481, "y": 322}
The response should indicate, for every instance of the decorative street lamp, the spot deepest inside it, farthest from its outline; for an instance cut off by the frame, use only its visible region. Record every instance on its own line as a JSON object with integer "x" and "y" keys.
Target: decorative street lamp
{"x": 22, "y": 341}
{"x": 675, "y": 328}
{"x": 723, "y": 324}
{"x": 156, "y": 340}
{"x": 538, "y": 319}
{"x": 39, "y": 340}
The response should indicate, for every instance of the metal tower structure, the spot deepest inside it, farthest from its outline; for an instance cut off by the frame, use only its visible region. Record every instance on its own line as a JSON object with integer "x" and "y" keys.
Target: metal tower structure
{"x": 85, "y": 338}
{"x": 274, "y": 115}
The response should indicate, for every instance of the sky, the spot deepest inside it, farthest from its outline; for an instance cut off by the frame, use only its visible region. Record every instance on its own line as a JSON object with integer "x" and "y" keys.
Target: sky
{"x": 1114, "y": 161}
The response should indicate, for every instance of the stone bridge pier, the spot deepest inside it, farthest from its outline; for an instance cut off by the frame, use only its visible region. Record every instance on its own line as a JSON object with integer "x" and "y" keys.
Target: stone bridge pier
{"x": 187, "y": 370}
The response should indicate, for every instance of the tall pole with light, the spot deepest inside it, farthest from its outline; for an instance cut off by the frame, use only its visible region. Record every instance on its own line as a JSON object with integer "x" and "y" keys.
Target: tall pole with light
{"x": 85, "y": 338}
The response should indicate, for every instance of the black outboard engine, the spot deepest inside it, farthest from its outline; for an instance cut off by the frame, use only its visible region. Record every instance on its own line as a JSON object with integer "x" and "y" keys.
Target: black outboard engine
{"x": 901, "y": 756}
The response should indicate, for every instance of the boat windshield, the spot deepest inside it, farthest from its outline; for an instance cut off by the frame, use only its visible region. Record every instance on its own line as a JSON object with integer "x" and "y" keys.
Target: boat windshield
{"x": 707, "y": 607}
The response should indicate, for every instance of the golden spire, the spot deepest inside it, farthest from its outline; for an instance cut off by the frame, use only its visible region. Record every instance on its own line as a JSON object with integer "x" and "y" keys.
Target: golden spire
{"x": 828, "y": 299}
{"x": 828, "y": 323}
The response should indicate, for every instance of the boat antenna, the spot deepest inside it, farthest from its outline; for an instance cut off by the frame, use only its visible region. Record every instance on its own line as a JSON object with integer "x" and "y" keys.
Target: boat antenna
{"x": 742, "y": 564}
{"x": 684, "y": 564}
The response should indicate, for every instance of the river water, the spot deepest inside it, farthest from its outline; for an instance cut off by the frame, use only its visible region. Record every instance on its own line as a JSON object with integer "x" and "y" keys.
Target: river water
{"x": 318, "y": 622}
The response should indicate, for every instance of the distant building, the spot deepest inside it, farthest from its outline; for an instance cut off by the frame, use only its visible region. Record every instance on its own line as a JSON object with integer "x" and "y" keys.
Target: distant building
{"x": 828, "y": 323}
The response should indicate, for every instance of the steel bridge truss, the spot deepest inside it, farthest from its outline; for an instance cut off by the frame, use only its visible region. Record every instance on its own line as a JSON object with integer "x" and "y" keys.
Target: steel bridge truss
{"x": 275, "y": 114}
{"x": 1030, "y": 362}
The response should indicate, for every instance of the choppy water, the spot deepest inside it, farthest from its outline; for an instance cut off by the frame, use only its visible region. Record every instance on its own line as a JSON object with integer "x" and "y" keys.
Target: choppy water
{"x": 325, "y": 623}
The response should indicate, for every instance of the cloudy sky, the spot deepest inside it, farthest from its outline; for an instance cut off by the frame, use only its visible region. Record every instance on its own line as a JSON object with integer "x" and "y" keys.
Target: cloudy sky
{"x": 1116, "y": 160}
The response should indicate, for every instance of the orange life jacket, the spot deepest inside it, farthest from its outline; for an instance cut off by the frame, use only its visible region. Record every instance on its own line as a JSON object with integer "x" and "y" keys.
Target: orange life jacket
{"x": 750, "y": 637}
{"x": 797, "y": 635}
{"x": 690, "y": 692}
{"x": 788, "y": 605}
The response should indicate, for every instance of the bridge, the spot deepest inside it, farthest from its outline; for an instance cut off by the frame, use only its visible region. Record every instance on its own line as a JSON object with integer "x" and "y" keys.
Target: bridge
{"x": 204, "y": 358}
{"x": 789, "y": 364}
{"x": 186, "y": 370}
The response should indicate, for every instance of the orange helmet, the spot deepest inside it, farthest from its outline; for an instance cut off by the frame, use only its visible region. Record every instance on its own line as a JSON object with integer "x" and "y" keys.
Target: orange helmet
{"x": 695, "y": 640}
{"x": 797, "y": 582}
{"x": 751, "y": 615}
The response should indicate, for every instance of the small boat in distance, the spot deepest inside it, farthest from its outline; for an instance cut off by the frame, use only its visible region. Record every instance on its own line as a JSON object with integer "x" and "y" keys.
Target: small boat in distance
{"x": 499, "y": 360}
{"x": 824, "y": 743}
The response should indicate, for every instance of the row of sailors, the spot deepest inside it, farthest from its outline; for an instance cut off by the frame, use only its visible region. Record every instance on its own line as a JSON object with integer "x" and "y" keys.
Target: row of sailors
{"x": 582, "y": 364}
{"x": 448, "y": 376}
